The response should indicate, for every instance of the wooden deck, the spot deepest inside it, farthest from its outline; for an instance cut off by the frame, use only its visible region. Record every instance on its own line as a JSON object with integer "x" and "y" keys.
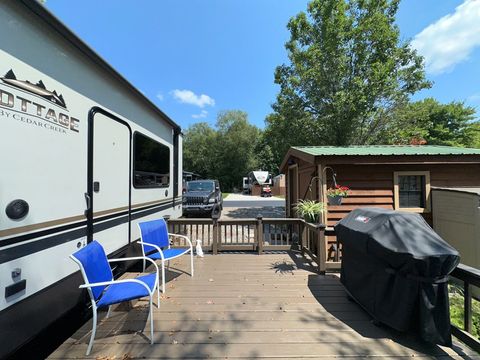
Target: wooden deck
{"x": 248, "y": 306}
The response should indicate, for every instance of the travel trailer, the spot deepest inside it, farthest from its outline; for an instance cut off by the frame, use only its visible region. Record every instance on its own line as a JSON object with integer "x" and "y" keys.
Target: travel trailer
{"x": 255, "y": 181}
{"x": 84, "y": 155}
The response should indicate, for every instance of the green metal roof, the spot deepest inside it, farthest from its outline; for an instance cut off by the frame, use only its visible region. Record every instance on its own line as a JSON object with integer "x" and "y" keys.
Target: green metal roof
{"x": 386, "y": 150}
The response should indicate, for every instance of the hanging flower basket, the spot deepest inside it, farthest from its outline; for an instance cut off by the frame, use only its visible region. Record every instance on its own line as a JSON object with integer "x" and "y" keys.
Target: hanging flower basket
{"x": 336, "y": 194}
{"x": 335, "y": 200}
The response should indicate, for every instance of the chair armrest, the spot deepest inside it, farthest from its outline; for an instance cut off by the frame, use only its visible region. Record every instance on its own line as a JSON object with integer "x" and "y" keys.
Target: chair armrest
{"x": 135, "y": 258}
{"x": 156, "y": 248}
{"x": 182, "y": 236}
{"x": 105, "y": 283}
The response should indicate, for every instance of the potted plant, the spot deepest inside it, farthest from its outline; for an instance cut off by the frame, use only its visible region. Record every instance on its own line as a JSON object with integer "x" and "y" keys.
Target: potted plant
{"x": 310, "y": 210}
{"x": 335, "y": 194}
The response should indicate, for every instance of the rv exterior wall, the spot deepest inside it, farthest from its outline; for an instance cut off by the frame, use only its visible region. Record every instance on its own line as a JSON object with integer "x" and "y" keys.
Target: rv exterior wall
{"x": 45, "y": 161}
{"x": 65, "y": 63}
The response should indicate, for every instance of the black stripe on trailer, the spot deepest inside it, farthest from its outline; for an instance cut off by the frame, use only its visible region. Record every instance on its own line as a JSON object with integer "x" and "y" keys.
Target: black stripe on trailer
{"x": 22, "y": 250}
{"x": 41, "y": 233}
{"x": 54, "y": 230}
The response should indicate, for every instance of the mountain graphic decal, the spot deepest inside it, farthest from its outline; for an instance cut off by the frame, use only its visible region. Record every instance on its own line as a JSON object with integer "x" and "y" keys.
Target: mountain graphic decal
{"x": 38, "y": 89}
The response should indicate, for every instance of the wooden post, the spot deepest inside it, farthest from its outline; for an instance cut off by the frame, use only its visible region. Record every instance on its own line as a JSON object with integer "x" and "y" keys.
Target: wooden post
{"x": 215, "y": 237}
{"x": 260, "y": 234}
{"x": 302, "y": 234}
{"x": 321, "y": 249}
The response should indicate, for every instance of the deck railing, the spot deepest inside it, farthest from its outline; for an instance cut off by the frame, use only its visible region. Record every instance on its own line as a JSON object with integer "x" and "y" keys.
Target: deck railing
{"x": 315, "y": 246}
{"x": 470, "y": 279}
{"x": 252, "y": 234}
{"x": 261, "y": 234}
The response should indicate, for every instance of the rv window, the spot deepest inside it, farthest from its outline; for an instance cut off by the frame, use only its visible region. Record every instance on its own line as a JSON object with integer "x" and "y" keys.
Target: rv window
{"x": 151, "y": 165}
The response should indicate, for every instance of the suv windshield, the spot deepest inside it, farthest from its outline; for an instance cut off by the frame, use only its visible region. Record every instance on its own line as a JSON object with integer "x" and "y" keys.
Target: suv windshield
{"x": 200, "y": 186}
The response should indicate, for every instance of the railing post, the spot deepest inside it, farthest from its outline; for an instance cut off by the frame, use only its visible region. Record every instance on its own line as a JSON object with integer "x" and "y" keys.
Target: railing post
{"x": 467, "y": 312}
{"x": 302, "y": 234}
{"x": 321, "y": 249}
{"x": 260, "y": 234}
{"x": 215, "y": 237}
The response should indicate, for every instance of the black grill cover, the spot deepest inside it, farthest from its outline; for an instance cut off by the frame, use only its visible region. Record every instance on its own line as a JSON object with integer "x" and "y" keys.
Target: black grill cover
{"x": 396, "y": 267}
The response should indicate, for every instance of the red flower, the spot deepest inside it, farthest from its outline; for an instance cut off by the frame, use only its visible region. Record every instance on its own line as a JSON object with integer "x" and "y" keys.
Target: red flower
{"x": 338, "y": 190}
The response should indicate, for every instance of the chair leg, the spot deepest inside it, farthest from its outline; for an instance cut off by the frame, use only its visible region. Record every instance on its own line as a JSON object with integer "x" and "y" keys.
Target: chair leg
{"x": 163, "y": 277}
{"x": 151, "y": 320}
{"x": 191, "y": 263}
{"x": 143, "y": 265}
{"x": 94, "y": 330}
{"x": 109, "y": 311}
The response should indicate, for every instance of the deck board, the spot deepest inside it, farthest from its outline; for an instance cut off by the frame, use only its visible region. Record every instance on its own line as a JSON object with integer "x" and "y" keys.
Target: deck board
{"x": 278, "y": 307}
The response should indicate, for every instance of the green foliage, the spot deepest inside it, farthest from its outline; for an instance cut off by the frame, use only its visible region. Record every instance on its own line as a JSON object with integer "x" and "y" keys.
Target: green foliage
{"x": 226, "y": 152}
{"x": 310, "y": 210}
{"x": 235, "y": 148}
{"x": 456, "y": 309}
{"x": 475, "y": 129}
{"x": 347, "y": 68}
{"x": 198, "y": 152}
{"x": 438, "y": 124}
{"x": 265, "y": 156}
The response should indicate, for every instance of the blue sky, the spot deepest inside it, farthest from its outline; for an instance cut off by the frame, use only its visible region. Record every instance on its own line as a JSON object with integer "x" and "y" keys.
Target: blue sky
{"x": 194, "y": 58}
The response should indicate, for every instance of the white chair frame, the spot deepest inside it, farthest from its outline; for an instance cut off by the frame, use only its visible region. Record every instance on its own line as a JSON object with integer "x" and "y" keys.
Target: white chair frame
{"x": 89, "y": 287}
{"x": 157, "y": 248}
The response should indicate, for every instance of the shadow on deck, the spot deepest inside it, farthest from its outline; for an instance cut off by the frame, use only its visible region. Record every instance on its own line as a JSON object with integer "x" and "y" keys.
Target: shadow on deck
{"x": 249, "y": 306}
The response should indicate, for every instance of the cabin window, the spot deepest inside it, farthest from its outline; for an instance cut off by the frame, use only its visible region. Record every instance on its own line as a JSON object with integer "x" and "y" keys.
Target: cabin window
{"x": 151, "y": 162}
{"x": 412, "y": 191}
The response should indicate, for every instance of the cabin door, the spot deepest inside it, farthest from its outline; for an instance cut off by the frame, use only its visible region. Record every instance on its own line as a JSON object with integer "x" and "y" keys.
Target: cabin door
{"x": 110, "y": 181}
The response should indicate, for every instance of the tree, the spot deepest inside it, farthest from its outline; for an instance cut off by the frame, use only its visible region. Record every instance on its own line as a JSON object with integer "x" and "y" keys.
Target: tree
{"x": 226, "y": 152}
{"x": 348, "y": 69}
{"x": 198, "y": 149}
{"x": 235, "y": 150}
{"x": 449, "y": 124}
{"x": 475, "y": 128}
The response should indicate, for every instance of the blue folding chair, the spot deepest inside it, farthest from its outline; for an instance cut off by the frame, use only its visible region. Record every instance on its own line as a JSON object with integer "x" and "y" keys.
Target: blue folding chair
{"x": 104, "y": 291}
{"x": 155, "y": 241}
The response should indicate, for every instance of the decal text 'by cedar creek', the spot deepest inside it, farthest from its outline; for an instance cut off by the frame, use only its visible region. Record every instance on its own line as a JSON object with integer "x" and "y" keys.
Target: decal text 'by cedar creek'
{"x": 11, "y": 101}
{"x": 19, "y": 104}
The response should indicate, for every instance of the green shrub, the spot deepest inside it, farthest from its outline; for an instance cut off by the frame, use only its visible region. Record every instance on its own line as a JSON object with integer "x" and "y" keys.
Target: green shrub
{"x": 310, "y": 210}
{"x": 457, "y": 311}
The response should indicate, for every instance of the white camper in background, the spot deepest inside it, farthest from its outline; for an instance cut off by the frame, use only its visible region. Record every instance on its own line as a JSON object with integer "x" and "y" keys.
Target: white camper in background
{"x": 245, "y": 185}
{"x": 258, "y": 178}
{"x": 83, "y": 155}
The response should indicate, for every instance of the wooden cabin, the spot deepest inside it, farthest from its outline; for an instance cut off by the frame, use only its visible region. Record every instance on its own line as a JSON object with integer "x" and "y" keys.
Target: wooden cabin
{"x": 392, "y": 177}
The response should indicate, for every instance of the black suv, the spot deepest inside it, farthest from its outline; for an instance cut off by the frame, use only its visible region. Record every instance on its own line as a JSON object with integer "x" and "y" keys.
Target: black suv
{"x": 201, "y": 196}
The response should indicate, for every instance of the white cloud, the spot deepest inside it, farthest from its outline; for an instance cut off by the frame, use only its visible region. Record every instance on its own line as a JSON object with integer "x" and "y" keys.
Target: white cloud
{"x": 203, "y": 114}
{"x": 451, "y": 39}
{"x": 160, "y": 96}
{"x": 475, "y": 98}
{"x": 189, "y": 97}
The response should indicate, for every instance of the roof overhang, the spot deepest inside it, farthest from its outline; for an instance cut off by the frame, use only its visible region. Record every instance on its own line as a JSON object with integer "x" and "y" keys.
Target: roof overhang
{"x": 398, "y": 159}
{"x": 292, "y": 152}
{"x": 378, "y": 159}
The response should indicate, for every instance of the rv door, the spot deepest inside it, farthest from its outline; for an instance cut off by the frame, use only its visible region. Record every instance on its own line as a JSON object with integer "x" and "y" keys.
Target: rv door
{"x": 111, "y": 182}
